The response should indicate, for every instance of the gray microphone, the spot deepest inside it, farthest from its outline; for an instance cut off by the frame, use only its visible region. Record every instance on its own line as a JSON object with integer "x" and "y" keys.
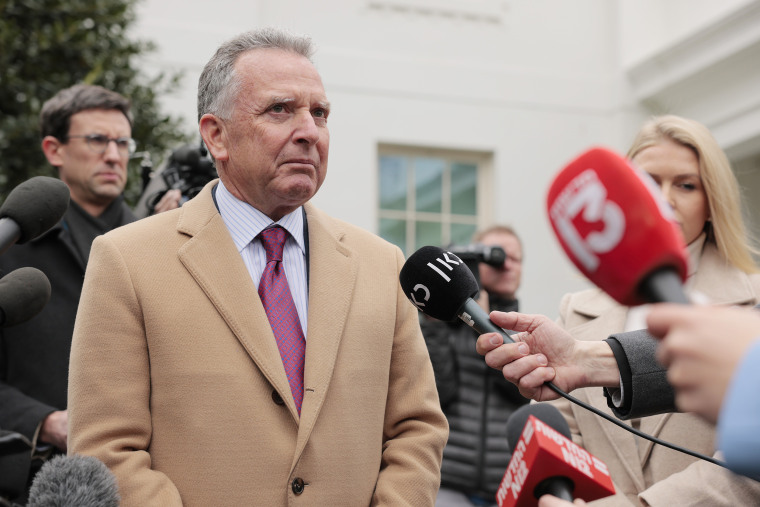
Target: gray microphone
{"x": 24, "y": 292}
{"x": 32, "y": 208}
{"x": 69, "y": 481}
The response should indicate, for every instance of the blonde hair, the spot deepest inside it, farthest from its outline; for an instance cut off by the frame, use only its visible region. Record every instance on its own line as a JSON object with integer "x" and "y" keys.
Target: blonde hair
{"x": 726, "y": 226}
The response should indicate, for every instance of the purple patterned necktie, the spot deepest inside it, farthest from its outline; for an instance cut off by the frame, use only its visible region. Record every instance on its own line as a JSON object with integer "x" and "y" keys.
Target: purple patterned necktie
{"x": 281, "y": 311}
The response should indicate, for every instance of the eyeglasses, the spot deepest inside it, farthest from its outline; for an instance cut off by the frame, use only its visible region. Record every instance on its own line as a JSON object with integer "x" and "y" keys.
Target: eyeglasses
{"x": 99, "y": 143}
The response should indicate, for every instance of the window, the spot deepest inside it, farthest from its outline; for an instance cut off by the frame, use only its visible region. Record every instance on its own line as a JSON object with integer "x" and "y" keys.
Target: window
{"x": 430, "y": 197}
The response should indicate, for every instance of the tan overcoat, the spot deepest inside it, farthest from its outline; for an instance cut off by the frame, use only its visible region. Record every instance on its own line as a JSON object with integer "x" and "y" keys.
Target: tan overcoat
{"x": 645, "y": 473}
{"x": 177, "y": 384}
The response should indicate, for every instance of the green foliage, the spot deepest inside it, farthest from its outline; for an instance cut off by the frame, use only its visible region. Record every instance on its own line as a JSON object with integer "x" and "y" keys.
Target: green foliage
{"x": 47, "y": 45}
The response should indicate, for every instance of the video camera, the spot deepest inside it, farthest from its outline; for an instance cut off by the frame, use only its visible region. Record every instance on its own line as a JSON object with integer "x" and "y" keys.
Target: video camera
{"x": 188, "y": 169}
{"x": 475, "y": 253}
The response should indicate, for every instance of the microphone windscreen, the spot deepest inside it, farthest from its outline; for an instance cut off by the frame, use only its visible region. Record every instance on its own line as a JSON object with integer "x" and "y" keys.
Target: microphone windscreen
{"x": 544, "y": 412}
{"x": 36, "y": 205}
{"x": 24, "y": 292}
{"x": 78, "y": 480}
{"x": 614, "y": 224}
{"x": 437, "y": 282}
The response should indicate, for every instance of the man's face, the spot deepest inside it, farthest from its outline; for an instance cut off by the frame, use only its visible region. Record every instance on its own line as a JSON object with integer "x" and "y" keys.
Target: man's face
{"x": 272, "y": 152}
{"x": 94, "y": 178}
{"x": 505, "y": 279}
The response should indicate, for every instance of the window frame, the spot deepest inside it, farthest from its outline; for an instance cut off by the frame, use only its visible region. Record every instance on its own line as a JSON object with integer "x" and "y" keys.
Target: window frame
{"x": 483, "y": 161}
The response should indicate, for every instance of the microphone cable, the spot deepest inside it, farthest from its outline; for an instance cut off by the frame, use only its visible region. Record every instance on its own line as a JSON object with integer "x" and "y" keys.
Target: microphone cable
{"x": 630, "y": 429}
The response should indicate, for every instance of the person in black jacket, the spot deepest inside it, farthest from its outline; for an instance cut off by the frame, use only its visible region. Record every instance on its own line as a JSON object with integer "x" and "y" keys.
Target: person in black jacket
{"x": 86, "y": 135}
{"x": 477, "y": 400}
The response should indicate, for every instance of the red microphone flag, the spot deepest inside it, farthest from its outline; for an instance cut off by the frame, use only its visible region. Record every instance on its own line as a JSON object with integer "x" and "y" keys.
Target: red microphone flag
{"x": 542, "y": 453}
{"x": 614, "y": 224}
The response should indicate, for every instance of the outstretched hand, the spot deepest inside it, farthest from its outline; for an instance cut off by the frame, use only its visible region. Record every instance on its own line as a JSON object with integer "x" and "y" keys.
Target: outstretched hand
{"x": 544, "y": 352}
{"x": 701, "y": 348}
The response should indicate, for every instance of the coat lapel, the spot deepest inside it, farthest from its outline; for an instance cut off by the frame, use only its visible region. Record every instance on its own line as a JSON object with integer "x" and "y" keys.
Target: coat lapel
{"x": 332, "y": 275}
{"x": 721, "y": 282}
{"x": 605, "y": 314}
{"x": 212, "y": 259}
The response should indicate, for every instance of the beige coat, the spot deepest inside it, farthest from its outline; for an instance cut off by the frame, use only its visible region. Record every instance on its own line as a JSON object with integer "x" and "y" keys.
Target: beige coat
{"x": 658, "y": 476}
{"x": 177, "y": 384}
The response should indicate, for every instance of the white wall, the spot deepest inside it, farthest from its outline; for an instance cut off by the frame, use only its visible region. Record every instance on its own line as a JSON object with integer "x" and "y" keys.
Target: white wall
{"x": 534, "y": 82}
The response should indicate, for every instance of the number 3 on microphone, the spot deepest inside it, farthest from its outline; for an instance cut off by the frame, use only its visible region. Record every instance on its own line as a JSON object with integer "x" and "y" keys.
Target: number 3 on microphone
{"x": 585, "y": 195}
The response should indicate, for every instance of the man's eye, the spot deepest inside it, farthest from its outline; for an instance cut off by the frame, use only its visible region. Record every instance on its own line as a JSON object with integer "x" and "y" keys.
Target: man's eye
{"x": 278, "y": 108}
{"x": 320, "y": 113}
{"x": 122, "y": 142}
{"x": 98, "y": 139}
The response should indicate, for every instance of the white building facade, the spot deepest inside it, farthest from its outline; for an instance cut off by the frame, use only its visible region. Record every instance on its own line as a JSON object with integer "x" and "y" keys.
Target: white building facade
{"x": 451, "y": 115}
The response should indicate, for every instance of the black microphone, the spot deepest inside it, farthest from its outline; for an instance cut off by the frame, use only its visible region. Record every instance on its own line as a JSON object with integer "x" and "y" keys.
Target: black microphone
{"x": 32, "y": 208}
{"x": 24, "y": 292}
{"x": 441, "y": 285}
{"x": 82, "y": 481}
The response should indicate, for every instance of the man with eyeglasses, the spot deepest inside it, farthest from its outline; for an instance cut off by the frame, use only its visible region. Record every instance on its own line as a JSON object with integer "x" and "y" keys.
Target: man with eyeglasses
{"x": 86, "y": 135}
{"x": 476, "y": 399}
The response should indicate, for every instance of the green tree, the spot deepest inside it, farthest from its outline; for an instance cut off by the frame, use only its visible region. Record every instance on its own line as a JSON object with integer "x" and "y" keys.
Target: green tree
{"x": 47, "y": 45}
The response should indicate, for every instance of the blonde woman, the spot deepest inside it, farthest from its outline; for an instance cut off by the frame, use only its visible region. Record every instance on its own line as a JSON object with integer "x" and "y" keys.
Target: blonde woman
{"x": 696, "y": 179}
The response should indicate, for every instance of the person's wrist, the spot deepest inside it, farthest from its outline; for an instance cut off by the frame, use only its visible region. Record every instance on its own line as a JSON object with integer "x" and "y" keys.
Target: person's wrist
{"x": 597, "y": 364}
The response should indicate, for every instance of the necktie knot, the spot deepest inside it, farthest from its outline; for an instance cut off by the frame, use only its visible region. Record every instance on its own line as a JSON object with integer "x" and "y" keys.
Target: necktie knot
{"x": 273, "y": 241}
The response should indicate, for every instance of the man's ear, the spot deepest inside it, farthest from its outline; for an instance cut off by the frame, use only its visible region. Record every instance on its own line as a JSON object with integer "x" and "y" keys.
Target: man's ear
{"x": 214, "y": 136}
{"x": 51, "y": 147}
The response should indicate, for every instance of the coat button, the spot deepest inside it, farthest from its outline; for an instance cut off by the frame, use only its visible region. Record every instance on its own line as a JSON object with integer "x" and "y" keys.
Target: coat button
{"x": 297, "y": 485}
{"x": 277, "y": 398}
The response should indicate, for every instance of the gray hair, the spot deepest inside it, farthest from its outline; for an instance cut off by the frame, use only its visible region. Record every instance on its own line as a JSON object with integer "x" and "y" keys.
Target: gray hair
{"x": 218, "y": 86}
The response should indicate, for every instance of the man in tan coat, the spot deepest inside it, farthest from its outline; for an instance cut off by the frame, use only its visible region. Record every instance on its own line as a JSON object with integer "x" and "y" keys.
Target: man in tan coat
{"x": 177, "y": 382}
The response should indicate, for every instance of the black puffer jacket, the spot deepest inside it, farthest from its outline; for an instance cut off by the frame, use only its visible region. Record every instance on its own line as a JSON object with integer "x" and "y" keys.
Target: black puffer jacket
{"x": 477, "y": 402}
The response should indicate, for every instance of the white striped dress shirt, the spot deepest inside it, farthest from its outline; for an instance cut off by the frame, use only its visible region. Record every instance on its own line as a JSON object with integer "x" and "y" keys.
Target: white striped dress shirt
{"x": 245, "y": 223}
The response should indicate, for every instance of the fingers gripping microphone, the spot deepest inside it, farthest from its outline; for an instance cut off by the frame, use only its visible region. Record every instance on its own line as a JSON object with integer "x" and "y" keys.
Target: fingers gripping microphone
{"x": 24, "y": 292}
{"x": 545, "y": 461}
{"x": 32, "y": 208}
{"x": 614, "y": 224}
{"x": 83, "y": 481}
{"x": 441, "y": 285}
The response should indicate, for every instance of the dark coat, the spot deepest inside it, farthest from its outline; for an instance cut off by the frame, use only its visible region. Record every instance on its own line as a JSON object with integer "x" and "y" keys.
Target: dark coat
{"x": 477, "y": 401}
{"x": 34, "y": 355}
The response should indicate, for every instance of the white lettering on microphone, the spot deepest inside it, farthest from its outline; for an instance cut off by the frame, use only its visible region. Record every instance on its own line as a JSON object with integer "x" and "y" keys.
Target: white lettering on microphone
{"x": 425, "y": 297}
{"x": 586, "y": 196}
{"x": 573, "y": 454}
{"x": 517, "y": 471}
{"x": 447, "y": 261}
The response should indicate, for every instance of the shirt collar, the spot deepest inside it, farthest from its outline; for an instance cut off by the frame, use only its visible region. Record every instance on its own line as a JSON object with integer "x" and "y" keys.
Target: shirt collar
{"x": 246, "y": 222}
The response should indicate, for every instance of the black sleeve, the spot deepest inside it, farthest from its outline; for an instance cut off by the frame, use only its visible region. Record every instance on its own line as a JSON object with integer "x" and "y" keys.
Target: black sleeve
{"x": 644, "y": 386}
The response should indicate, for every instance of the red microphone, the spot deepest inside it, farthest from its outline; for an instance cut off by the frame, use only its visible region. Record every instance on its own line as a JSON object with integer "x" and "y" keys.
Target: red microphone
{"x": 545, "y": 461}
{"x": 614, "y": 224}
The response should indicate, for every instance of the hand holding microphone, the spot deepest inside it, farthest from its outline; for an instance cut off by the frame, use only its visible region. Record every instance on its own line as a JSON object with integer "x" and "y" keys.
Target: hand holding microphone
{"x": 545, "y": 352}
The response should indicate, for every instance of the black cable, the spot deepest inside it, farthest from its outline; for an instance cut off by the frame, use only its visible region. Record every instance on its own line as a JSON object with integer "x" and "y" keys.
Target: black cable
{"x": 634, "y": 430}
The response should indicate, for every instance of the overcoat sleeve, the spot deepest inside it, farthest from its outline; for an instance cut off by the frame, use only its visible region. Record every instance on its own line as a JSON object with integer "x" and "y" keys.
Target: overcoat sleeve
{"x": 109, "y": 379}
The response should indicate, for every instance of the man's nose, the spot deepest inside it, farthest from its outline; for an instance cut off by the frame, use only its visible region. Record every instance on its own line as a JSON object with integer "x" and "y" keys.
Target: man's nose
{"x": 112, "y": 151}
{"x": 306, "y": 130}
